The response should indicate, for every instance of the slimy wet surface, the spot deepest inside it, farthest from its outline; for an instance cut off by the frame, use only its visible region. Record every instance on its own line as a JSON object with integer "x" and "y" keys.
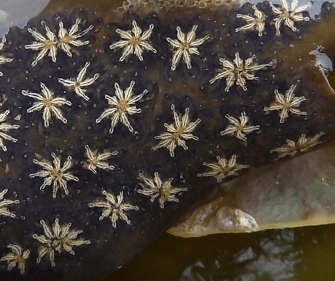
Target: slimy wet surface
{"x": 116, "y": 124}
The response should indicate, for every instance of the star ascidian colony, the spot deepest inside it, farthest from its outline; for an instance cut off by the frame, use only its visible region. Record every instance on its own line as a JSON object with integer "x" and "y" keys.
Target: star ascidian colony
{"x": 112, "y": 128}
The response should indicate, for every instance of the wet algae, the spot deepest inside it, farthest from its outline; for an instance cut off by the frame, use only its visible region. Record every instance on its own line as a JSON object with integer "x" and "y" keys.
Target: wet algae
{"x": 115, "y": 126}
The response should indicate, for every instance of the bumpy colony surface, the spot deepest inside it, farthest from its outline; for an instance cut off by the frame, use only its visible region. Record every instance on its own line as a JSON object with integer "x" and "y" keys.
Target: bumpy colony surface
{"x": 111, "y": 128}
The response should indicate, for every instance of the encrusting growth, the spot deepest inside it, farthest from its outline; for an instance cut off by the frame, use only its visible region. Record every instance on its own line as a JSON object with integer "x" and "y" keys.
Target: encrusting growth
{"x": 4, "y": 211}
{"x": 45, "y": 45}
{"x": 51, "y": 43}
{"x": 96, "y": 160}
{"x": 4, "y": 127}
{"x": 114, "y": 207}
{"x": 48, "y": 103}
{"x": 3, "y": 58}
{"x": 177, "y": 132}
{"x": 239, "y": 128}
{"x": 121, "y": 105}
{"x": 71, "y": 37}
{"x": 289, "y": 15}
{"x": 286, "y": 104}
{"x": 134, "y": 42}
{"x": 223, "y": 169}
{"x": 139, "y": 110}
{"x": 78, "y": 83}
{"x": 238, "y": 71}
{"x": 253, "y": 23}
{"x": 17, "y": 257}
{"x": 291, "y": 148}
{"x": 185, "y": 46}
{"x": 54, "y": 174}
{"x": 156, "y": 188}
{"x": 57, "y": 238}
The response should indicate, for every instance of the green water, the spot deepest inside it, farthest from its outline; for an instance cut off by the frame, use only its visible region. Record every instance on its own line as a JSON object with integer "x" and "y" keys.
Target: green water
{"x": 301, "y": 254}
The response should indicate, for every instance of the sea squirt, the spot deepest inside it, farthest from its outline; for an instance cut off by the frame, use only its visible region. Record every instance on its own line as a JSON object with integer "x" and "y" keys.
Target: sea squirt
{"x": 113, "y": 127}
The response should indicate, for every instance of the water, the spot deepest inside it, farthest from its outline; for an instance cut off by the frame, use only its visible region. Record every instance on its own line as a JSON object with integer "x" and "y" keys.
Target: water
{"x": 301, "y": 254}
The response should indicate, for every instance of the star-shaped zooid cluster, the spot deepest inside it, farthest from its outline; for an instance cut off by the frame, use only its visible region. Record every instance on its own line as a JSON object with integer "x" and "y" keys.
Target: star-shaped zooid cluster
{"x": 184, "y": 46}
{"x": 177, "y": 132}
{"x": 47, "y": 102}
{"x": 122, "y": 105}
{"x": 134, "y": 42}
{"x": 50, "y": 43}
